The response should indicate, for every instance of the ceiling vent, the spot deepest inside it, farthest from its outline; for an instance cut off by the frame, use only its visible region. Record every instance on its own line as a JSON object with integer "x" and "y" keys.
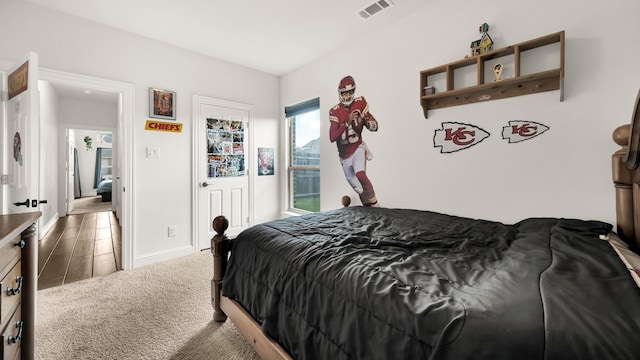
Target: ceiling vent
{"x": 374, "y": 8}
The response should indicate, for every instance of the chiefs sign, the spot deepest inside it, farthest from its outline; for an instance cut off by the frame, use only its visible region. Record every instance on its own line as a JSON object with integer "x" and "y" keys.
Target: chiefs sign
{"x": 163, "y": 126}
{"x": 520, "y": 130}
{"x": 455, "y": 136}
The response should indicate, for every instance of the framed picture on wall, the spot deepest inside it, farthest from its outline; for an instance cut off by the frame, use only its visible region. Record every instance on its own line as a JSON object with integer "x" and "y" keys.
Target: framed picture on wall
{"x": 162, "y": 104}
{"x": 265, "y": 161}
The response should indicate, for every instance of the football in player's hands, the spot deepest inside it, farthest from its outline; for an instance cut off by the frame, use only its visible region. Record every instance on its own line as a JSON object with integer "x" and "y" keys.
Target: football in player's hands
{"x": 356, "y": 122}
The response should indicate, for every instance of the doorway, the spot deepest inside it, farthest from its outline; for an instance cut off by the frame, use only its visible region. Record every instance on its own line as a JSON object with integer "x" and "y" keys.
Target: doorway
{"x": 124, "y": 130}
{"x": 86, "y": 240}
{"x": 122, "y": 182}
{"x": 91, "y": 158}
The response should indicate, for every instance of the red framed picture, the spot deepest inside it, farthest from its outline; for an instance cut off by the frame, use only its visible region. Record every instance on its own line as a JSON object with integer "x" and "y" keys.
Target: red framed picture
{"x": 162, "y": 104}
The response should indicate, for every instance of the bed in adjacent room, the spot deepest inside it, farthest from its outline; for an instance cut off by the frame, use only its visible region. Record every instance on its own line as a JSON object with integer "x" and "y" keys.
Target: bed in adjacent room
{"x": 378, "y": 283}
{"x": 104, "y": 189}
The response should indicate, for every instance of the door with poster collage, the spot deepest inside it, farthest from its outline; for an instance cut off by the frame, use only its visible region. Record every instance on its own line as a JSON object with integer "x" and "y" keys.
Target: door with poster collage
{"x": 224, "y": 181}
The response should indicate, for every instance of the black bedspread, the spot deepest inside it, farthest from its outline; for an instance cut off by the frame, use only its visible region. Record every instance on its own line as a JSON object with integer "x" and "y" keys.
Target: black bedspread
{"x": 371, "y": 283}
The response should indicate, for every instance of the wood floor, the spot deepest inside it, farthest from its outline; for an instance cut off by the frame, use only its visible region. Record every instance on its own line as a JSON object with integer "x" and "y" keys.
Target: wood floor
{"x": 79, "y": 247}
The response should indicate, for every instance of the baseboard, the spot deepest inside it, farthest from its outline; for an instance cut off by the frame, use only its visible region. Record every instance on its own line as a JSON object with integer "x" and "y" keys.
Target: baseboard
{"x": 153, "y": 258}
{"x": 46, "y": 227}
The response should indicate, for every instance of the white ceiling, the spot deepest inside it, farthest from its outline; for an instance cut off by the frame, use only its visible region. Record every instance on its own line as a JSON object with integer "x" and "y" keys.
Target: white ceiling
{"x": 74, "y": 92}
{"x": 275, "y": 36}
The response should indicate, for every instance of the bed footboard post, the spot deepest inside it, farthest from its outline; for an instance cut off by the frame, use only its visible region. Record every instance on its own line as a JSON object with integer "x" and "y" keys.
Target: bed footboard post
{"x": 220, "y": 251}
{"x": 625, "y": 212}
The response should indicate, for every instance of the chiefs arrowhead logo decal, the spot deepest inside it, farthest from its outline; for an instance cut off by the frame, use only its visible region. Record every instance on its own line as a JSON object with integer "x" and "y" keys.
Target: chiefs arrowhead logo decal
{"x": 520, "y": 130}
{"x": 455, "y": 136}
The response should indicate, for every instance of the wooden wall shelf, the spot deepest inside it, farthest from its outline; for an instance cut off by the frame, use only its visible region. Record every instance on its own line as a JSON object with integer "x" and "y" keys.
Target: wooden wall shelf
{"x": 519, "y": 84}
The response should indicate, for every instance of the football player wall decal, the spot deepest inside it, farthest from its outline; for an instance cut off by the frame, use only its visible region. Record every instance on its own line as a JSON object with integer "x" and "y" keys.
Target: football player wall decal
{"x": 348, "y": 118}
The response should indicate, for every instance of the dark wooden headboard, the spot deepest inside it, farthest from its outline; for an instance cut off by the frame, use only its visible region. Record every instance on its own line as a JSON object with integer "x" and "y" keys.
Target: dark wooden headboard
{"x": 626, "y": 177}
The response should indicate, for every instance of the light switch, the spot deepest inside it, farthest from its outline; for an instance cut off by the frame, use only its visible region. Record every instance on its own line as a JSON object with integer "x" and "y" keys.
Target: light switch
{"x": 153, "y": 152}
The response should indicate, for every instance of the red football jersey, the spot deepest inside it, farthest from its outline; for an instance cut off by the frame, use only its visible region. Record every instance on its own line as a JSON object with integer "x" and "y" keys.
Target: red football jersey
{"x": 341, "y": 131}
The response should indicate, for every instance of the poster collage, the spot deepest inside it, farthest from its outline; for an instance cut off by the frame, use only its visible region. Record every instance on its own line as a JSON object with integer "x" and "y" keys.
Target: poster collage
{"x": 225, "y": 148}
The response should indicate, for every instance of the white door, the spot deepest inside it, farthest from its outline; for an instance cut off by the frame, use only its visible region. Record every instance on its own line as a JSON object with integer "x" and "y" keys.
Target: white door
{"x": 22, "y": 136}
{"x": 221, "y": 129}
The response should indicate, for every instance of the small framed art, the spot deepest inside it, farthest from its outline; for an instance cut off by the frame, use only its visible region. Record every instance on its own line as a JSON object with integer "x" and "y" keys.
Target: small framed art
{"x": 162, "y": 104}
{"x": 265, "y": 161}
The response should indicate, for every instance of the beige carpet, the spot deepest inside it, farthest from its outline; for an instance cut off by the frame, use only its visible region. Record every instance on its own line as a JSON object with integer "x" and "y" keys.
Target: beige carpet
{"x": 90, "y": 204}
{"x": 160, "y": 311}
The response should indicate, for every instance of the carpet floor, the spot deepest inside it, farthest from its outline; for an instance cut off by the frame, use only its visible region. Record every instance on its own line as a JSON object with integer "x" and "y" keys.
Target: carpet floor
{"x": 159, "y": 311}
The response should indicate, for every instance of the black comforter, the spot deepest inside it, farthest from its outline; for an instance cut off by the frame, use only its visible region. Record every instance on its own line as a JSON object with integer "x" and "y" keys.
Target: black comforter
{"x": 371, "y": 283}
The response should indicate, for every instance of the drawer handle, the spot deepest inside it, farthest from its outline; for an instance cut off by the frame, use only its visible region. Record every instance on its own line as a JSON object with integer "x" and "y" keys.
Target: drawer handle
{"x": 17, "y": 290}
{"x": 15, "y": 339}
{"x": 21, "y": 244}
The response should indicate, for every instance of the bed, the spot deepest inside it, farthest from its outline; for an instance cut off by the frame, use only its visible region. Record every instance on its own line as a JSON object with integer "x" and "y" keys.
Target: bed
{"x": 104, "y": 189}
{"x": 377, "y": 283}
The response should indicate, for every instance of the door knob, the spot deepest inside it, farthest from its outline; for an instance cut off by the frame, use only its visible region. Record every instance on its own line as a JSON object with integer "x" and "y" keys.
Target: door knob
{"x": 26, "y": 203}
{"x": 205, "y": 184}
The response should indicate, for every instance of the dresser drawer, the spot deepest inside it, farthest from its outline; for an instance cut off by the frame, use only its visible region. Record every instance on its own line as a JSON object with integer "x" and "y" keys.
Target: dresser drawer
{"x": 9, "y": 254}
{"x": 12, "y": 337}
{"x": 11, "y": 292}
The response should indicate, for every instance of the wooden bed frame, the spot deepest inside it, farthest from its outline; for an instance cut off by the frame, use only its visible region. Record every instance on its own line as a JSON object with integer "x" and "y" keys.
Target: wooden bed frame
{"x": 626, "y": 178}
{"x": 266, "y": 347}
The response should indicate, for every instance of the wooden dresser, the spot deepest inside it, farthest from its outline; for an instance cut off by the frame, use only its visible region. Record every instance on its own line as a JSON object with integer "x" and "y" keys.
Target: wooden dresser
{"x": 19, "y": 280}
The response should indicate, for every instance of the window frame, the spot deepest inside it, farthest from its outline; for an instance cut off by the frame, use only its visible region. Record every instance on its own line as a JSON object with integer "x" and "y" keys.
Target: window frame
{"x": 290, "y": 113}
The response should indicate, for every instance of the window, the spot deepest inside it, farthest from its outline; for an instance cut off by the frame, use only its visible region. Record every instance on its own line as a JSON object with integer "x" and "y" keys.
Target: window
{"x": 304, "y": 155}
{"x": 104, "y": 162}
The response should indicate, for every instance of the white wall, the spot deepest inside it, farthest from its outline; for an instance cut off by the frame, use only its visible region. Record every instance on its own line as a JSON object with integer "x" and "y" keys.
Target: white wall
{"x": 566, "y": 172}
{"x": 88, "y": 114}
{"x": 161, "y": 188}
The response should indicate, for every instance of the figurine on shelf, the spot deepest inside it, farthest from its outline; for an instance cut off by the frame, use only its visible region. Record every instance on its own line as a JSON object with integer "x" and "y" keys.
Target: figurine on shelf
{"x": 497, "y": 70}
{"x": 484, "y": 44}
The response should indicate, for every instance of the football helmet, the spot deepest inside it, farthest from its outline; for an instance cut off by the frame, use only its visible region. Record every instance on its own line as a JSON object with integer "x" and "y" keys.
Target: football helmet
{"x": 346, "y": 89}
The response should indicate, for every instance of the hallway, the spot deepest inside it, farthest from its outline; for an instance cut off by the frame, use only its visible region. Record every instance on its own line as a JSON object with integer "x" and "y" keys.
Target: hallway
{"x": 79, "y": 247}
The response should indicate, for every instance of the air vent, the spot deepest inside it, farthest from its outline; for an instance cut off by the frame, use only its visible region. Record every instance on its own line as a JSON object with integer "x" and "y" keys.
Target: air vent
{"x": 374, "y": 8}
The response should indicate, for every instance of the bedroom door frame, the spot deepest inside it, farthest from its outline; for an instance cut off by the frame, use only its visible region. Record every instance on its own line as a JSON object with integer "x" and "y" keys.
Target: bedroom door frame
{"x": 124, "y": 133}
{"x": 200, "y": 219}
